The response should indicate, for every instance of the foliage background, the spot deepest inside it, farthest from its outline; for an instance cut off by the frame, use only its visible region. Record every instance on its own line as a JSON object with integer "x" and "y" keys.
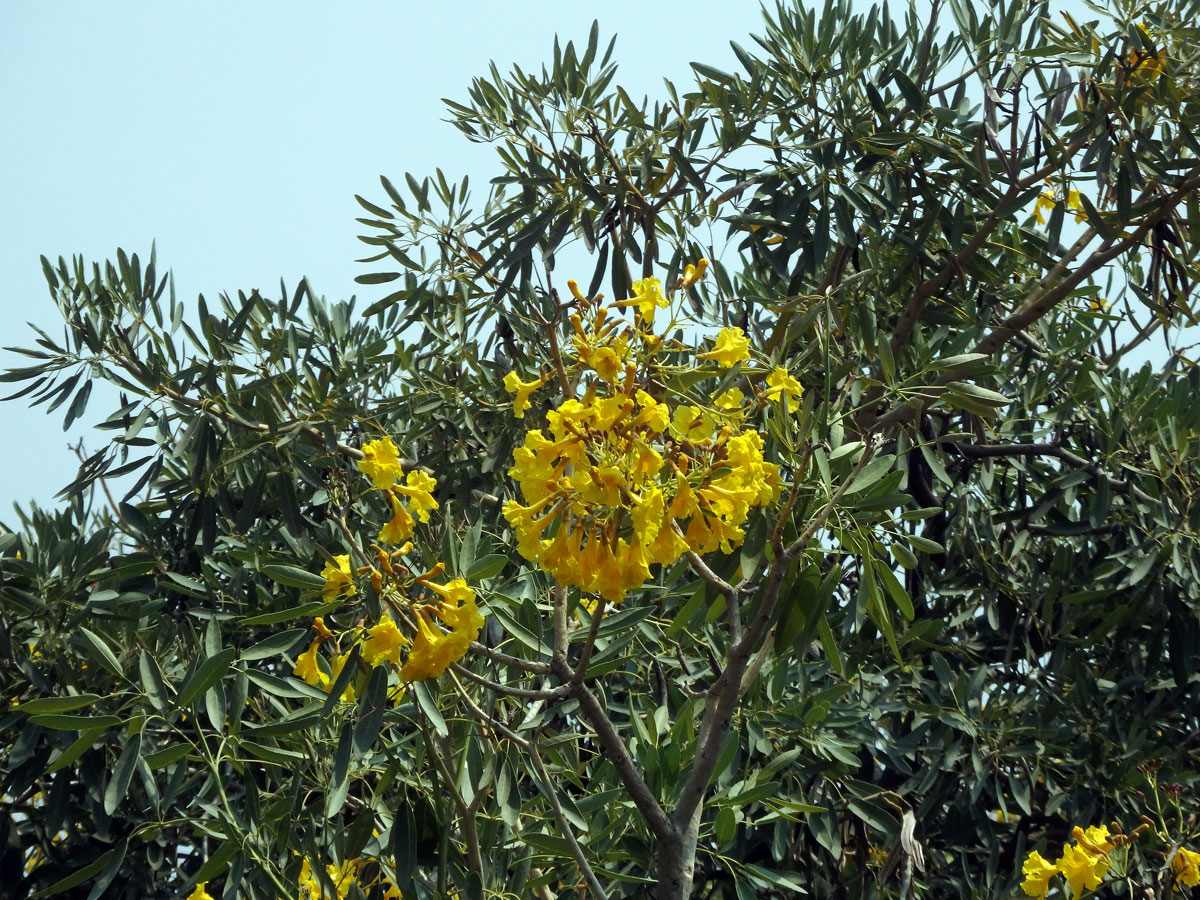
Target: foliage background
{"x": 1045, "y": 632}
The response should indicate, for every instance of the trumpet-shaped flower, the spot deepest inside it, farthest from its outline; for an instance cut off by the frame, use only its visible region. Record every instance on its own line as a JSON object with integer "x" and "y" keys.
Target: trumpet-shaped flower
{"x": 383, "y": 642}
{"x": 780, "y": 382}
{"x": 418, "y": 487}
{"x": 514, "y": 385}
{"x": 1186, "y": 866}
{"x": 338, "y": 578}
{"x": 1038, "y": 873}
{"x": 307, "y": 668}
{"x": 1081, "y": 868}
{"x": 434, "y": 650}
{"x": 322, "y": 630}
{"x": 380, "y": 462}
{"x": 400, "y": 527}
{"x": 648, "y": 295}
{"x": 732, "y": 346}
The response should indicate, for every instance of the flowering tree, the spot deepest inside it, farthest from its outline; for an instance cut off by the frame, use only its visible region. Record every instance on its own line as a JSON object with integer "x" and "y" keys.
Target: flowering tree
{"x": 822, "y": 538}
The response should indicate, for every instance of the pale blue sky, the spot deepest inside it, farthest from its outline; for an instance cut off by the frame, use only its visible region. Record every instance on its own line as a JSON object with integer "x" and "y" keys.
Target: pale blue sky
{"x": 235, "y": 135}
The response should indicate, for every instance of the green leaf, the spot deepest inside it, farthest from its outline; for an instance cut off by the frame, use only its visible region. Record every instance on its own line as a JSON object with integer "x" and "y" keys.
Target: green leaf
{"x": 86, "y": 741}
{"x": 370, "y": 711}
{"x": 487, "y": 567}
{"x": 152, "y": 682}
{"x": 110, "y": 870}
{"x": 57, "y": 704}
{"x": 293, "y": 576}
{"x": 428, "y": 704}
{"x": 304, "y": 611}
{"x": 974, "y": 399}
{"x": 79, "y": 876}
{"x": 76, "y": 723}
{"x": 101, "y": 652}
{"x": 206, "y": 674}
{"x": 217, "y": 863}
{"x": 161, "y": 758}
{"x": 377, "y": 277}
{"x": 274, "y": 645}
{"x": 118, "y": 784}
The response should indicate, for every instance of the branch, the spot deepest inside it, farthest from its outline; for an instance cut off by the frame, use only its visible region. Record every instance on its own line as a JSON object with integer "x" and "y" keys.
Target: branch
{"x": 1043, "y": 298}
{"x": 534, "y": 668}
{"x": 610, "y": 740}
{"x": 547, "y": 786}
{"x": 547, "y": 694}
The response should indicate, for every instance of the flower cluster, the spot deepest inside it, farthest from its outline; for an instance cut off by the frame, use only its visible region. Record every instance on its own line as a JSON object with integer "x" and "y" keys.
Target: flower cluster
{"x": 1083, "y": 864}
{"x": 344, "y": 878}
{"x": 626, "y": 475}
{"x": 408, "y": 495}
{"x": 441, "y": 620}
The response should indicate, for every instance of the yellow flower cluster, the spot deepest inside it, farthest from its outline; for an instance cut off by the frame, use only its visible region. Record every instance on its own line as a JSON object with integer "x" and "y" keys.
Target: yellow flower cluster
{"x": 443, "y": 630}
{"x": 344, "y": 878}
{"x": 624, "y": 476}
{"x": 440, "y": 630}
{"x": 381, "y": 463}
{"x": 1083, "y": 864}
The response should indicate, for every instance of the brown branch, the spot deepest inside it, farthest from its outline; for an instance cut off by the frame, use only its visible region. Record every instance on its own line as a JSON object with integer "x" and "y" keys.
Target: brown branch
{"x": 534, "y": 668}
{"x": 1043, "y": 298}
{"x": 547, "y": 786}
{"x": 610, "y": 740}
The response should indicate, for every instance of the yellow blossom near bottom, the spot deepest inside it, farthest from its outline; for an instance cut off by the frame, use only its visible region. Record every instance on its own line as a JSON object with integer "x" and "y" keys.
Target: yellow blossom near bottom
{"x": 344, "y": 878}
{"x": 1083, "y": 864}
{"x": 1186, "y": 867}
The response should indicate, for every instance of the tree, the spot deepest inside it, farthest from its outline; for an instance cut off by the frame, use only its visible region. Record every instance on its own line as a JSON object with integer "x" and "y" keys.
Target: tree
{"x": 859, "y": 563}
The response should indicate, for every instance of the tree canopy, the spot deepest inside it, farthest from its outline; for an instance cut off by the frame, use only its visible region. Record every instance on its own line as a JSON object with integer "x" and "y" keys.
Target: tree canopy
{"x": 811, "y": 530}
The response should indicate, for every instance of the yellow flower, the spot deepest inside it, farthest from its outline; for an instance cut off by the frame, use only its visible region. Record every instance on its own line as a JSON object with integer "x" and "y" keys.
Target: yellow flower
{"x": 649, "y": 294}
{"x": 338, "y": 578}
{"x": 1045, "y": 202}
{"x": 1037, "y": 873}
{"x": 606, "y": 363}
{"x": 335, "y": 669}
{"x": 692, "y": 274}
{"x": 690, "y": 423}
{"x": 1081, "y": 869}
{"x": 1095, "y": 840}
{"x": 383, "y": 642}
{"x": 399, "y": 528}
{"x": 781, "y": 382}
{"x": 380, "y": 462}
{"x": 431, "y": 653}
{"x": 514, "y": 385}
{"x": 732, "y": 346}
{"x": 654, "y": 415}
{"x": 433, "y": 650}
{"x": 419, "y": 487}
{"x": 1186, "y": 866}
{"x": 322, "y": 630}
{"x": 306, "y": 667}
{"x": 199, "y": 893}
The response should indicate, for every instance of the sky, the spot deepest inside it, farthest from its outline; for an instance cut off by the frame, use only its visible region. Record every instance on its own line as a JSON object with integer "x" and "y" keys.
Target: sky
{"x": 234, "y": 136}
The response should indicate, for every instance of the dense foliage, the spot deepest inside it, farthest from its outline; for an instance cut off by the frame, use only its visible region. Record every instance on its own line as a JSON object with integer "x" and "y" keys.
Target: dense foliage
{"x": 862, "y": 563}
